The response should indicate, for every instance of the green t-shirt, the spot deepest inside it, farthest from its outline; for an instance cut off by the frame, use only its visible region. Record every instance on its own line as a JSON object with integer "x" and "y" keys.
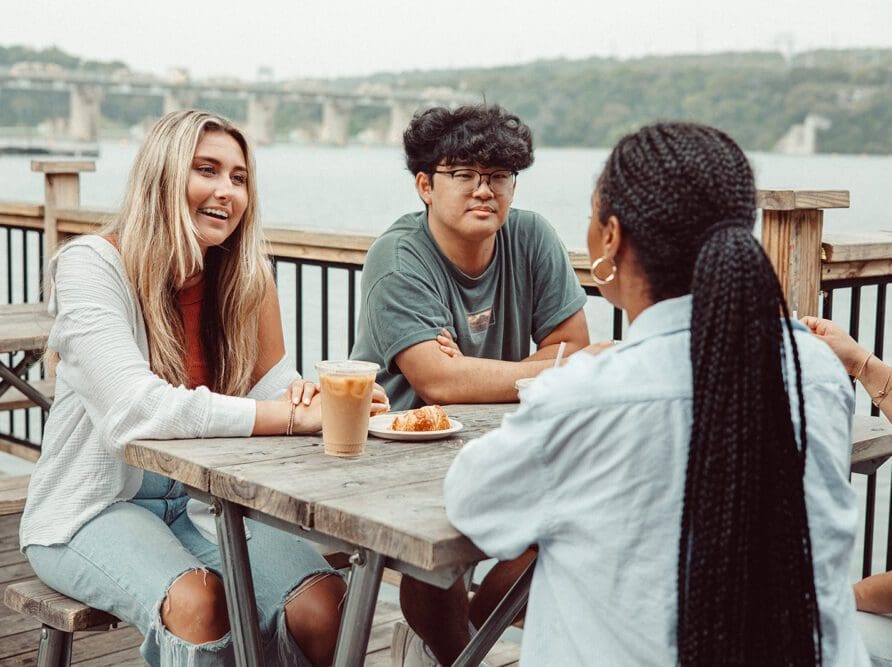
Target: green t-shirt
{"x": 410, "y": 291}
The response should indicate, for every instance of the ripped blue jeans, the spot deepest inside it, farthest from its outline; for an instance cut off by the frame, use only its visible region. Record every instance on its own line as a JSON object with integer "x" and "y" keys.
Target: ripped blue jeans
{"x": 124, "y": 560}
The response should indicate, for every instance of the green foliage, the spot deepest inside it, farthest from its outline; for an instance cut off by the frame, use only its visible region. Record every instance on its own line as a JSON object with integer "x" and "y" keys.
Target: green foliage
{"x": 755, "y": 97}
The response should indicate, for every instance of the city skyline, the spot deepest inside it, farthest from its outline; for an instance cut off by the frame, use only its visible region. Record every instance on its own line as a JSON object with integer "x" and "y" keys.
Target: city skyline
{"x": 352, "y": 38}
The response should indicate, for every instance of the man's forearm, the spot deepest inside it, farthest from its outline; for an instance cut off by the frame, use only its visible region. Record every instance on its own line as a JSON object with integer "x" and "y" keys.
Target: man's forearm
{"x": 475, "y": 380}
{"x": 550, "y": 351}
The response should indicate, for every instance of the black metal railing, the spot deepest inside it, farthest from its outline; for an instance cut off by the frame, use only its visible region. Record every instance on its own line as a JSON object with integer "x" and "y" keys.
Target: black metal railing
{"x": 310, "y": 304}
{"x": 21, "y": 281}
{"x": 319, "y": 301}
{"x": 837, "y": 295}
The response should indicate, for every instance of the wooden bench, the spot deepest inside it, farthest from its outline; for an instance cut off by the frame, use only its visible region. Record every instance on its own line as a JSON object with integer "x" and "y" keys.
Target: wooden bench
{"x": 13, "y": 399}
{"x": 59, "y": 615}
{"x": 13, "y": 491}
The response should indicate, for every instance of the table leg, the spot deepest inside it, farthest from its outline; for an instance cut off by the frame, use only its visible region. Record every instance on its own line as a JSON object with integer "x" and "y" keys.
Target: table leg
{"x": 498, "y": 620}
{"x": 238, "y": 584}
{"x": 362, "y": 594}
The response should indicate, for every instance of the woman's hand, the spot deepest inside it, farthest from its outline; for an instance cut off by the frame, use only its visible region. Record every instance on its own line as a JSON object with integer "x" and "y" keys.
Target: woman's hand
{"x": 447, "y": 345}
{"x": 302, "y": 391}
{"x": 380, "y": 402}
{"x": 843, "y": 345}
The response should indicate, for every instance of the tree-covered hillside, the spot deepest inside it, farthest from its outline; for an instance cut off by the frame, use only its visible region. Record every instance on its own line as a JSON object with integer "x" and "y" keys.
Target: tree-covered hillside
{"x": 756, "y": 97}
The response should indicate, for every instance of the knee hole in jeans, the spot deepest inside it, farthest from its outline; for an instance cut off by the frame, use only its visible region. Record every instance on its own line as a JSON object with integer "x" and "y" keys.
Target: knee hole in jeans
{"x": 313, "y": 615}
{"x": 194, "y": 608}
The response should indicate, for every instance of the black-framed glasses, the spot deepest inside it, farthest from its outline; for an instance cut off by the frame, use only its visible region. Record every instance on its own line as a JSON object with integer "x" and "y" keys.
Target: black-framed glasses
{"x": 500, "y": 181}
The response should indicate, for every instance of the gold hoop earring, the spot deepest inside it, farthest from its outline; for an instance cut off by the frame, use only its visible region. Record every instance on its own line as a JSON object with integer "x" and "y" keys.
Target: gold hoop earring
{"x": 603, "y": 281}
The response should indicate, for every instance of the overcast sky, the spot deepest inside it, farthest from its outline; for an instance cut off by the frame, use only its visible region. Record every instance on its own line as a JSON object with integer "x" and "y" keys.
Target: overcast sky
{"x": 343, "y": 37}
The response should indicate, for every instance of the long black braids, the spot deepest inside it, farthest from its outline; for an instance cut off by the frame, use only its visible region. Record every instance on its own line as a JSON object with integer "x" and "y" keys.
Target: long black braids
{"x": 685, "y": 199}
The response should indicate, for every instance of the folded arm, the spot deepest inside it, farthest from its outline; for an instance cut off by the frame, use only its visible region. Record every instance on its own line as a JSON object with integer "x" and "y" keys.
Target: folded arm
{"x": 442, "y": 378}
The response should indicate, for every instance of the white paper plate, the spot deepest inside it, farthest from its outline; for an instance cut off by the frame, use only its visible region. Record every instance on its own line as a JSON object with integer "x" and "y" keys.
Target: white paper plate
{"x": 379, "y": 426}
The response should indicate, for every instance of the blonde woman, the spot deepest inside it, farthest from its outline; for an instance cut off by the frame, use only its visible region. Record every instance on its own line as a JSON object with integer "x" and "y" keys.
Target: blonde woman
{"x": 167, "y": 325}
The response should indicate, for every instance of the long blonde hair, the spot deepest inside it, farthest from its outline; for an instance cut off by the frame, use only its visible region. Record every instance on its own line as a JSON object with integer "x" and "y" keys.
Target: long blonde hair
{"x": 158, "y": 242}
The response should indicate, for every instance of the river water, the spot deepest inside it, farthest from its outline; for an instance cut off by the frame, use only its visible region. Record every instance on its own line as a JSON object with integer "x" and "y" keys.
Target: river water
{"x": 364, "y": 189}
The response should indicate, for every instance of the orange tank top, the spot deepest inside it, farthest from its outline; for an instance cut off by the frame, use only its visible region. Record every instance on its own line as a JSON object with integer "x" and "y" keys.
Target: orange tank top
{"x": 189, "y": 300}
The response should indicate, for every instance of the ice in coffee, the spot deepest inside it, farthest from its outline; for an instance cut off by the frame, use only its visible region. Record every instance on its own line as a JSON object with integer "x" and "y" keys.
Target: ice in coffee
{"x": 346, "y": 400}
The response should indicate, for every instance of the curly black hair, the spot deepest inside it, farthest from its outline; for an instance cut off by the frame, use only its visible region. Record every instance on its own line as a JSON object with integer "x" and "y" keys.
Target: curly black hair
{"x": 482, "y": 134}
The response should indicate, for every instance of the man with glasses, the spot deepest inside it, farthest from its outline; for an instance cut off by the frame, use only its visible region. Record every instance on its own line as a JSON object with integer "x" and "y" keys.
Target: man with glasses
{"x": 451, "y": 297}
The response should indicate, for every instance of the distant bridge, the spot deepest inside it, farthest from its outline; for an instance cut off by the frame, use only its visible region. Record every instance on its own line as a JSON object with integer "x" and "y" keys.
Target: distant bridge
{"x": 87, "y": 90}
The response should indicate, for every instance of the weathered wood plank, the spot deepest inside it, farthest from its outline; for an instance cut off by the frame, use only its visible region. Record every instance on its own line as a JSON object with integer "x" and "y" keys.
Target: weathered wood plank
{"x": 406, "y": 522}
{"x": 871, "y": 443}
{"x": 10, "y": 554}
{"x": 792, "y": 240}
{"x": 9, "y": 530}
{"x": 320, "y": 239}
{"x": 17, "y": 449}
{"x": 846, "y": 270}
{"x": 287, "y": 488}
{"x": 857, "y": 246}
{"x": 21, "y": 221}
{"x": 188, "y": 461}
{"x": 34, "y": 598}
{"x": 13, "y": 491}
{"x": 13, "y": 399}
{"x": 791, "y": 200}
{"x": 24, "y": 327}
{"x": 62, "y": 166}
{"x": 20, "y": 208}
{"x": 85, "y": 646}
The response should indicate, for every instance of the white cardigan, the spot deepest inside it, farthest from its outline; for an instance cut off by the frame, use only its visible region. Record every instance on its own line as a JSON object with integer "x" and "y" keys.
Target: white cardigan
{"x": 107, "y": 396}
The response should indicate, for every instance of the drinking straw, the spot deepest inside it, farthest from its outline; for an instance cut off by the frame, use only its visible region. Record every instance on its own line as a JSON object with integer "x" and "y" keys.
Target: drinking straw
{"x": 560, "y": 354}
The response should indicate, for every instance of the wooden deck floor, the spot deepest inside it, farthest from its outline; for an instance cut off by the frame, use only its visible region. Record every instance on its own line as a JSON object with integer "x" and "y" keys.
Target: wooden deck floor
{"x": 19, "y": 635}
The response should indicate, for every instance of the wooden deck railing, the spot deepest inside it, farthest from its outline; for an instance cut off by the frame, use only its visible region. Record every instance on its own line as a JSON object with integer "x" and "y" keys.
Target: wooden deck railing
{"x": 820, "y": 273}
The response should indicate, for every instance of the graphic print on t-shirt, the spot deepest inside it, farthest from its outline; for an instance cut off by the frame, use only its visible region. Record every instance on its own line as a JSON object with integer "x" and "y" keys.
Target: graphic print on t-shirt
{"x": 481, "y": 320}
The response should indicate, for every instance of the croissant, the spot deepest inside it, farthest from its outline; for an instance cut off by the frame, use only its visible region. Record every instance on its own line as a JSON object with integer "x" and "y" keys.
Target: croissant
{"x": 428, "y": 418}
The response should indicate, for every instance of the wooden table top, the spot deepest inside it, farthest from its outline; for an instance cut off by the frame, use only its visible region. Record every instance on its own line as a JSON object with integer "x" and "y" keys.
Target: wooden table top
{"x": 389, "y": 500}
{"x": 871, "y": 443}
{"x": 24, "y": 326}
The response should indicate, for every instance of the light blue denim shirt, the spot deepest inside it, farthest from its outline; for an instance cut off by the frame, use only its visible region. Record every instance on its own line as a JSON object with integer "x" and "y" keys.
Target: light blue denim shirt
{"x": 591, "y": 468}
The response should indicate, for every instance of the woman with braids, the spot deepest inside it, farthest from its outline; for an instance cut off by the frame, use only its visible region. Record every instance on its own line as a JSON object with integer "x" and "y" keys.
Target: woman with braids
{"x": 167, "y": 325}
{"x": 691, "y": 502}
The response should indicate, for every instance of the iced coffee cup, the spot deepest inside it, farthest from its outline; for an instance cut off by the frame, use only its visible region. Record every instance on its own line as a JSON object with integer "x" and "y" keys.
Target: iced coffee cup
{"x": 346, "y": 400}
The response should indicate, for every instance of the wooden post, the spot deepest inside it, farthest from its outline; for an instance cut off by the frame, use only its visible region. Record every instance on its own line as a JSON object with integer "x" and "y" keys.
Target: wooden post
{"x": 61, "y": 190}
{"x": 792, "y": 227}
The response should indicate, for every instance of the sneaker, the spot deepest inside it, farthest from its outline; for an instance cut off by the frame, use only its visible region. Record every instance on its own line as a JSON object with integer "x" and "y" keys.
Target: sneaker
{"x": 407, "y": 648}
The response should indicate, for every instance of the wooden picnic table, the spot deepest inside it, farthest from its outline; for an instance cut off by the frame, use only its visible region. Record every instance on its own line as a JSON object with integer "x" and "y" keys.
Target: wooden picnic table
{"x": 871, "y": 443}
{"x": 385, "y": 508}
{"x": 23, "y": 328}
